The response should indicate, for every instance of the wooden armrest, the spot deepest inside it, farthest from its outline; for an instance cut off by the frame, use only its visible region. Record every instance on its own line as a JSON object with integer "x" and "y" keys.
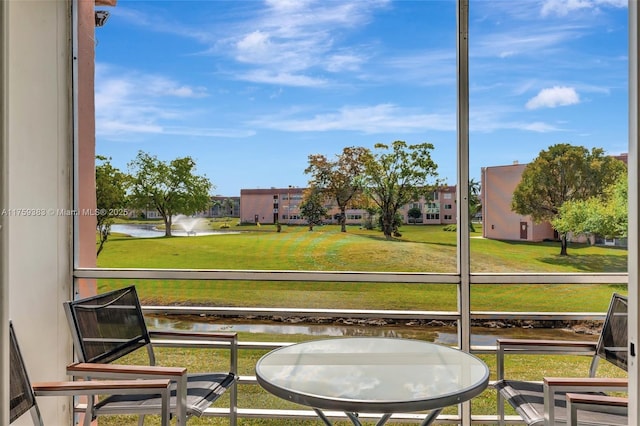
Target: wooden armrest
{"x": 115, "y": 370}
{"x": 591, "y": 399}
{"x": 107, "y": 386}
{"x": 576, "y": 384}
{"x": 546, "y": 343}
{"x": 586, "y": 382}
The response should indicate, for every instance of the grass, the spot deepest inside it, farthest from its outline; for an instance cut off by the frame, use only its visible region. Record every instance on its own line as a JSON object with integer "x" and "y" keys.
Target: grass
{"x": 420, "y": 249}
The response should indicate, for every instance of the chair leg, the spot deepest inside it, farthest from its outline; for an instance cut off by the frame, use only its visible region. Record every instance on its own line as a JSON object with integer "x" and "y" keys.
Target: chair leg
{"x": 233, "y": 404}
{"x": 35, "y": 415}
{"x": 500, "y": 410}
{"x": 88, "y": 413}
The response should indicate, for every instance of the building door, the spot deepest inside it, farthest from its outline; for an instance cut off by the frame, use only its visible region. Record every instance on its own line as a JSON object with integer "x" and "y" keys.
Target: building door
{"x": 524, "y": 231}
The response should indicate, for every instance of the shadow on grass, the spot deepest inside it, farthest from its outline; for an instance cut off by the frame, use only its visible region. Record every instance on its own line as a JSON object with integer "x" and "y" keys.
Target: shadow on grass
{"x": 576, "y": 256}
{"x": 589, "y": 262}
{"x": 397, "y": 240}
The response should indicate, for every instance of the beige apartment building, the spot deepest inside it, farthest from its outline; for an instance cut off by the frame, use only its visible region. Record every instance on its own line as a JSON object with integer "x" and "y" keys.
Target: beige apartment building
{"x": 282, "y": 205}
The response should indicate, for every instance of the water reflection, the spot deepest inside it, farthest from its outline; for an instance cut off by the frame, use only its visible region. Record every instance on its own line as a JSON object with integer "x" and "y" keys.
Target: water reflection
{"x": 151, "y": 231}
{"x": 482, "y": 336}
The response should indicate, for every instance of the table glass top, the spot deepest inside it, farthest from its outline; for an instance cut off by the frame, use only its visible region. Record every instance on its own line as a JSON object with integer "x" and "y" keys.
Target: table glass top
{"x": 371, "y": 370}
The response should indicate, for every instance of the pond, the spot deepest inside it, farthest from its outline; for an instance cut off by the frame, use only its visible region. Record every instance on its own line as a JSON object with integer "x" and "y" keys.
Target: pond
{"x": 151, "y": 231}
{"x": 482, "y": 336}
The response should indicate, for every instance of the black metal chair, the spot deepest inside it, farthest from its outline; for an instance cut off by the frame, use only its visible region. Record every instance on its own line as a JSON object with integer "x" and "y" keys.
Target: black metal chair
{"x": 544, "y": 403}
{"x": 109, "y": 326}
{"x": 22, "y": 392}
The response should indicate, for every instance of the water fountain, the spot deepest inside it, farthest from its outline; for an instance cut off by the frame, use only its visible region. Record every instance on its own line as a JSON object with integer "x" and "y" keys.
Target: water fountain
{"x": 187, "y": 224}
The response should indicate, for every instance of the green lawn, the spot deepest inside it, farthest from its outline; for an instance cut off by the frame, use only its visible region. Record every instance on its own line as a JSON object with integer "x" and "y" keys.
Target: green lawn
{"x": 421, "y": 249}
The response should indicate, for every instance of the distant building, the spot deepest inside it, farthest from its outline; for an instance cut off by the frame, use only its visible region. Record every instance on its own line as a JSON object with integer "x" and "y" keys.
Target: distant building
{"x": 499, "y": 221}
{"x": 282, "y": 205}
{"x": 223, "y": 207}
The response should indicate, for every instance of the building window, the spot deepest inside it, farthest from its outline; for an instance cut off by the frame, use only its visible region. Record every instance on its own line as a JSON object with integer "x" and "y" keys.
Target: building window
{"x": 447, "y": 206}
{"x": 433, "y": 216}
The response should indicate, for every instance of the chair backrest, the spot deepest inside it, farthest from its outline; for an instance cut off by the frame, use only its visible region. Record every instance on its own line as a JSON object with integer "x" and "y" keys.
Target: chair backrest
{"x": 22, "y": 398}
{"x": 107, "y": 326}
{"x": 612, "y": 344}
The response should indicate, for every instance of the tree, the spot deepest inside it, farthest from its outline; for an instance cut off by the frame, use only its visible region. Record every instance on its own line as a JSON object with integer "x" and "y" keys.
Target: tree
{"x": 474, "y": 202}
{"x": 560, "y": 174}
{"x": 339, "y": 179}
{"x": 414, "y": 213}
{"x": 111, "y": 198}
{"x": 312, "y": 207}
{"x": 396, "y": 175}
{"x": 171, "y": 188}
{"x": 605, "y": 215}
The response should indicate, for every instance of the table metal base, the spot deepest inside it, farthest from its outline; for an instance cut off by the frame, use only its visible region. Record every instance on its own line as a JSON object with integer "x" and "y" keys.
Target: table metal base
{"x": 383, "y": 420}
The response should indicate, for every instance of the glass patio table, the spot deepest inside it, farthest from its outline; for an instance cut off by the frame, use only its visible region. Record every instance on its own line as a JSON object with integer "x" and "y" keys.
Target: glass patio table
{"x": 372, "y": 375}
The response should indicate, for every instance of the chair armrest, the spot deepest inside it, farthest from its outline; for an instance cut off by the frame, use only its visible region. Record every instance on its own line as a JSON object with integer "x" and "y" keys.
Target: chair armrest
{"x": 119, "y": 387}
{"x": 596, "y": 400}
{"x": 532, "y": 346}
{"x": 576, "y": 384}
{"x": 594, "y": 403}
{"x": 118, "y": 371}
{"x": 586, "y": 384}
{"x": 539, "y": 347}
{"x": 226, "y": 340}
{"x": 110, "y": 387}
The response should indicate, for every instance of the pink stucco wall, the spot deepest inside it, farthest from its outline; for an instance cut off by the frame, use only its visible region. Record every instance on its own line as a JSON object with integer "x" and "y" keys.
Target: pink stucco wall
{"x": 500, "y": 222}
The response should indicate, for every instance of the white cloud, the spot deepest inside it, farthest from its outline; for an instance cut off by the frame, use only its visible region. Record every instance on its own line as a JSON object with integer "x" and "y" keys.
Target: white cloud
{"x": 554, "y": 97}
{"x": 565, "y": 7}
{"x": 342, "y": 62}
{"x": 537, "y": 126}
{"x": 133, "y": 103}
{"x": 491, "y": 118}
{"x": 254, "y": 47}
{"x": 382, "y": 118}
{"x": 298, "y": 38}
{"x": 280, "y": 78}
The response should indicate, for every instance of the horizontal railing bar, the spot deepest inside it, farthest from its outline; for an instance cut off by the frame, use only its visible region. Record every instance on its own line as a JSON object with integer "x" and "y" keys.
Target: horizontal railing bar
{"x": 551, "y": 278}
{"x": 258, "y": 413}
{"x": 338, "y": 415}
{"x": 352, "y": 276}
{"x": 262, "y": 275}
{"x": 541, "y": 316}
{"x": 234, "y": 311}
{"x": 304, "y": 312}
{"x": 267, "y": 413}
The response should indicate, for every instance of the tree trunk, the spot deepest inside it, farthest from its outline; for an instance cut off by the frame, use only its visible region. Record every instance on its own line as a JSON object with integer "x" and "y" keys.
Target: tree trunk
{"x": 343, "y": 219}
{"x": 167, "y": 226}
{"x": 387, "y": 226}
{"x": 563, "y": 245}
{"x": 104, "y": 231}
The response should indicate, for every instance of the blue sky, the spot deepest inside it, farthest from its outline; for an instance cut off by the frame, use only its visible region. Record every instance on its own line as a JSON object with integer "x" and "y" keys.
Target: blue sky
{"x": 251, "y": 88}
